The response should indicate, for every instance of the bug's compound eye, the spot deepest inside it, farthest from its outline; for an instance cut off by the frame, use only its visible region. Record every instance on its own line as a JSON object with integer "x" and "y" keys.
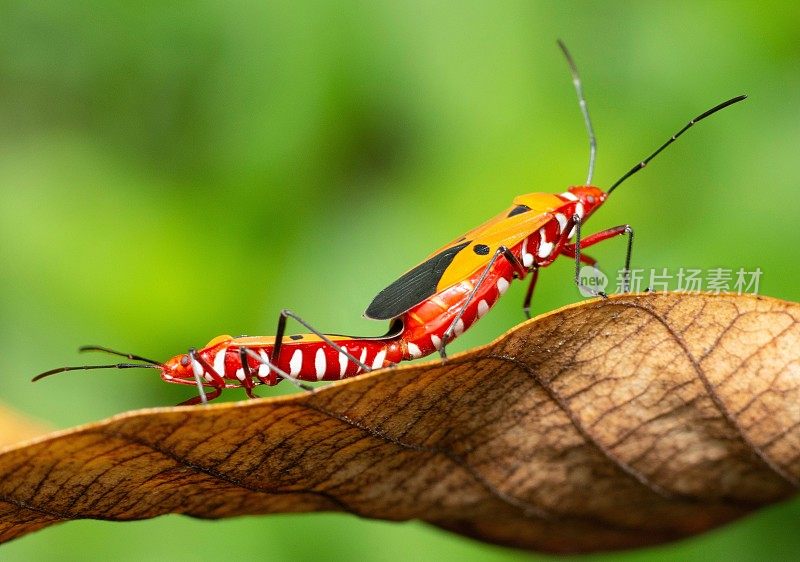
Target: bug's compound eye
{"x": 185, "y": 361}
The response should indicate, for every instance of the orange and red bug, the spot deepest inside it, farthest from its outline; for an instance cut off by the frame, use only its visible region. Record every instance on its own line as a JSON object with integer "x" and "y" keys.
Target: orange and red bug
{"x": 428, "y": 306}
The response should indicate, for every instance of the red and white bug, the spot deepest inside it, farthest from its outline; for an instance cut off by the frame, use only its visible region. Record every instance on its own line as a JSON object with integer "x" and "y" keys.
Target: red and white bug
{"x": 428, "y": 306}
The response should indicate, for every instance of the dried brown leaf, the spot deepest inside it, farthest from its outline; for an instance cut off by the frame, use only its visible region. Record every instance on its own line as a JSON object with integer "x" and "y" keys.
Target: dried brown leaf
{"x": 610, "y": 424}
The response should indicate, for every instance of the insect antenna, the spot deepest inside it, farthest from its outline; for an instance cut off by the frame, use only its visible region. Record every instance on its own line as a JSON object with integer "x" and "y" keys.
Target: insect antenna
{"x": 120, "y": 353}
{"x": 672, "y": 139}
{"x": 88, "y": 367}
{"x": 576, "y": 81}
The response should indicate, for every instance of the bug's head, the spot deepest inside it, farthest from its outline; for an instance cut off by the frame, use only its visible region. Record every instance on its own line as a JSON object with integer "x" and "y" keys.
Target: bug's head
{"x": 181, "y": 368}
{"x": 589, "y": 196}
{"x": 178, "y": 369}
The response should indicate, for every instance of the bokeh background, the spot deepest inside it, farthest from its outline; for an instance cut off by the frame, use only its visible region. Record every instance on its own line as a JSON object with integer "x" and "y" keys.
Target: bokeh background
{"x": 173, "y": 171}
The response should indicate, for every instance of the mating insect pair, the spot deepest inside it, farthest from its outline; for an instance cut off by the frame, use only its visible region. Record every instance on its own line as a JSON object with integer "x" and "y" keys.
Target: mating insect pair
{"x": 428, "y": 306}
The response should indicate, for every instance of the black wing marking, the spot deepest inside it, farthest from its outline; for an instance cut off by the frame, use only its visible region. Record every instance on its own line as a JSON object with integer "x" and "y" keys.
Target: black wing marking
{"x": 518, "y": 210}
{"x": 412, "y": 287}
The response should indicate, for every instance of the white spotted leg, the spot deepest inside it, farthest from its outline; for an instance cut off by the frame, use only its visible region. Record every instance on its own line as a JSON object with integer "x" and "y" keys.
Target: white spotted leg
{"x": 285, "y": 314}
{"x": 519, "y": 270}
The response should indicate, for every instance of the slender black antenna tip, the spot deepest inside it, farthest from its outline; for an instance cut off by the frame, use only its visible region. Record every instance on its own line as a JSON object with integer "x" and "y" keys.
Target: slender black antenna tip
{"x": 564, "y": 50}
{"x": 131, "y": 356}
{"x": 576, "y": 82}
{"x": 674, "y": 137}
{"x": 89, "y": 367}
{"x": 47, "y": 374}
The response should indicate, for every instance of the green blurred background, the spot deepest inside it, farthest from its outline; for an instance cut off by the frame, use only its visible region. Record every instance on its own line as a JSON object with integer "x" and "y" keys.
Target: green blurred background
{"x": 174, "y": 171}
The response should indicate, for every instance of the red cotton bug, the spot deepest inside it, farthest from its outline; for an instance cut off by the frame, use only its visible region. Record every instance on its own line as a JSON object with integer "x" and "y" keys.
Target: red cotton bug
{"x": 429, "y": 305}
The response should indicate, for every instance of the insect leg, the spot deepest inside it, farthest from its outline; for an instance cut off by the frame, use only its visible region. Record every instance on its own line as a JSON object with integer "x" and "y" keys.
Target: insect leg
{"x": 201, "y": 367}
{"x": 286, "y": 313}
{"x": 518, "y": 268}
{"x": 247, "y": 380}
{"x": 199, "y": 399}
{"x": 197, "y": 369}
{"x": 561, "y": 248}
{"x": 245, "y": 364}
{"x": 526, "y": 304}
{"x": 572, "y": 250}
{"x": 577, "y": 220}
{"x": 569, "y": 251}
